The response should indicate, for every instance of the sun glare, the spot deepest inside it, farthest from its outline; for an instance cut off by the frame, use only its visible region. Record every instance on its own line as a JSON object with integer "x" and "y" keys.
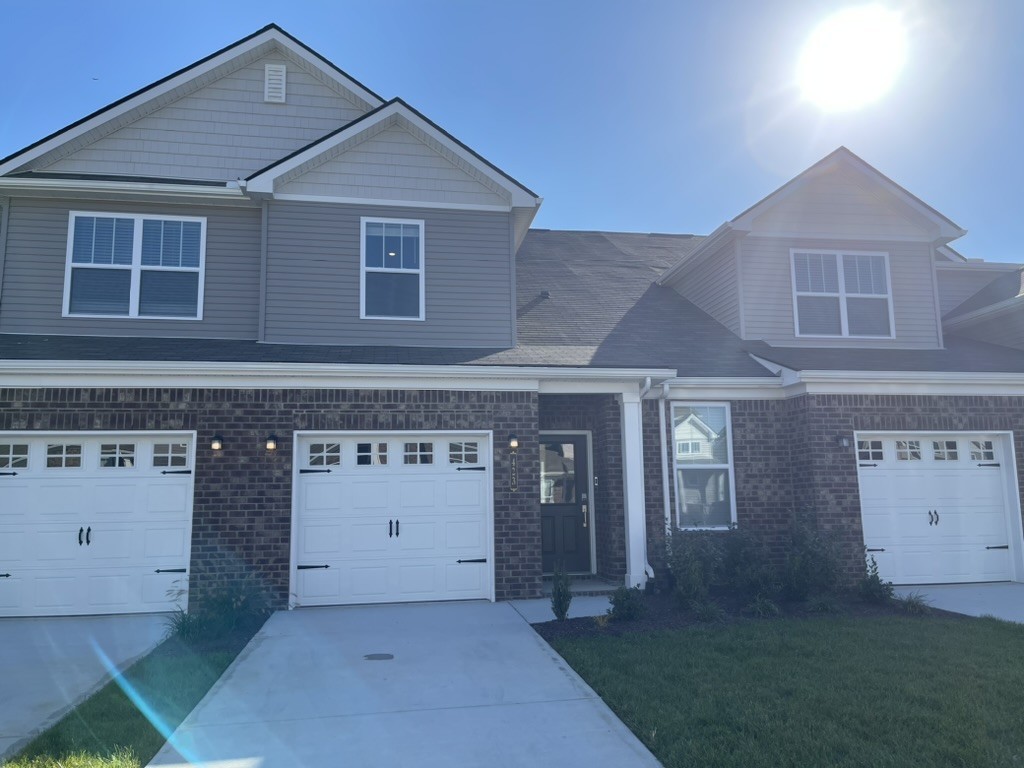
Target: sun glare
{"x": 852, "y": 58}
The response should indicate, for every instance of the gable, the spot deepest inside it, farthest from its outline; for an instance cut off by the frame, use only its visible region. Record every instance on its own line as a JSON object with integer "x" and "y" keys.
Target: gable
{"x": 222, "y": 131}
{"x": 835, "y": 203}
{"x": 394, "y": 162}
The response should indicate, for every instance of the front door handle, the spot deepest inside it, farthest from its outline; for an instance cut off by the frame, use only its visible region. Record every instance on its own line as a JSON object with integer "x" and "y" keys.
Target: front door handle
{"x": 585, "y": 516}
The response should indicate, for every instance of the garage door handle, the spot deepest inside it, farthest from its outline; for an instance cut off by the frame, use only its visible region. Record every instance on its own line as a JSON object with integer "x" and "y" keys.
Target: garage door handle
{"x": 1004, "y": 546}
{"x": 5, "y": 575}
{"x": 10, "y": 474}
{"x": 314, "y": 471}
{"x": 80, "y": 532}
{"x": 88, "y": 533}
{"x": 310, "y": 567}
{"x": 471, "y": 469}
{"x": 396, "y": 527}
{"x": 391, "y": 528}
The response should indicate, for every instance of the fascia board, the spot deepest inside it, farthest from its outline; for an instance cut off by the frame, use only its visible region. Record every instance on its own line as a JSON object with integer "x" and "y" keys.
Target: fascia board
{"x": 151, "y": 92}
{"x": 264, "y": 182}
{"x": 23, "y": 185}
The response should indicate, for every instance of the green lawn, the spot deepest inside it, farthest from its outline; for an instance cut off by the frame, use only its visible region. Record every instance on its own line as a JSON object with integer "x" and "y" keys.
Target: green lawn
{"x": 893, "y": 691}
{"x": 120, "y": 726}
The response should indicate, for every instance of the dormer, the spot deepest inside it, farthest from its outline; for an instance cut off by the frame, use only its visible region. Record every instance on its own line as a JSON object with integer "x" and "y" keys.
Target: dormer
{"x": 839, "y": 256}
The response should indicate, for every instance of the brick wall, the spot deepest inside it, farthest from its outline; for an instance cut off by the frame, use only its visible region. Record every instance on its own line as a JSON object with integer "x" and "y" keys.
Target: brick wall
{"x": 242, "y": 511}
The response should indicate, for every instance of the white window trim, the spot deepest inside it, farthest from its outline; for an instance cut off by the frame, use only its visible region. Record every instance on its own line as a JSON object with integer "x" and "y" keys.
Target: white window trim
{"x": 136, "y": 265}
{"x": 731, "y": 472}
{"x": 363, "y": 269}
{"x": 842, "y": 295}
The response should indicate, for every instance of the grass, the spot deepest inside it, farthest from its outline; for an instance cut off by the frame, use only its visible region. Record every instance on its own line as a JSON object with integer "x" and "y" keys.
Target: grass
{"x": 880, "y": 692}
{"x": 120, "y": 726}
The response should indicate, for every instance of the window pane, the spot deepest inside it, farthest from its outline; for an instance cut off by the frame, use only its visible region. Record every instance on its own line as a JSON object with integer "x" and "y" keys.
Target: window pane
{"x": 393, "y": 246}
{"x": 867, "y": 317}
{"x": 818, "y": 315}
{"x": 374, "y": 245}
{"x": 191, "y": 234}
{"x": 124, "y": 237}
{"x": 103, "y": 242}
{"x": 100, "y": 291}
{"x": 172, "y": 294}
{"x": 816, "y": 272}
{"x": 392, "y": 294}
{"x": 702, "y": 427}
{"x": 171, "y": 251}
{"x": 81, "y": 244}
{"x": 865, "y": 274}
{"x": 704, "y": 498}
{"x": 410, "y": 246}
{"x": 558, "y": 473}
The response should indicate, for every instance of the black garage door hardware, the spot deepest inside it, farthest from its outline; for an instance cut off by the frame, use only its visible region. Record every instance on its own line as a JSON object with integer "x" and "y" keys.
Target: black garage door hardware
{"x": 169, "y": 570}
{"x": 311, "y": 567}
{"x": 477, "y": 560}
{"x": 1004, "y": 546}
{"x": 176, "y": 472}
{"x": 313, "y": 471}
{"x": 471, "y": 469}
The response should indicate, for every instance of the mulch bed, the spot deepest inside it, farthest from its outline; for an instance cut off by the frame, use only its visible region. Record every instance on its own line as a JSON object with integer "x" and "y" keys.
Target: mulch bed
{"x": 663, "y": 611}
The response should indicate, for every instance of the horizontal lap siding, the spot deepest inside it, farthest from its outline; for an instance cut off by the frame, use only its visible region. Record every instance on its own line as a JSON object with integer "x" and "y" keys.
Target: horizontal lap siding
{"x": 768, "y": 292}
{"x": 393, "y": 165}
{"x": 33, "y": 284}
{"x": 712, "y": 286}
{"x": 223, "y": 131}
{"x": 313, "y": 278}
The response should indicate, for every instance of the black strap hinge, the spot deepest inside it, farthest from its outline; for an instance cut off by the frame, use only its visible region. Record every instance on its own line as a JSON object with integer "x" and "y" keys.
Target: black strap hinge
{"x": 310, "y": 567}
{"x": 5, "y": 575}
{"x": 470, "y": 469}
{"x": 477, "y": 560}
{"x": 170, "y": 570}
{"x": 880, "y": 549}
{"x": 176, "y": 472}
{"x": 9, "y": 474}
{"x": 313, "y": 471}
{"x": 1004, "y": 546}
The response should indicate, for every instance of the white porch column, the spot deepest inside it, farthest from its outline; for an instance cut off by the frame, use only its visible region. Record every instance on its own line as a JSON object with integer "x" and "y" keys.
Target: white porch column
{"x": 637, "y": 569}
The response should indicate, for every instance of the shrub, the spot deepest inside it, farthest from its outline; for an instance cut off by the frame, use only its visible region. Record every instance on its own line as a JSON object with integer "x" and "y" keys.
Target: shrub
{"x": 915, "y": 604}
{"x": 746, "y": 567}
{"x": 822, "y": 604}
{"x": 627, "y": 604}
{"x": 561, "y": 592}
{"x": 695, "y": 561}
{"x": 812, "y": 565}
{"x": 707, "y": 611}
{"x": 220, "y": 607}
{"x": 762, "y": 608}
{"x": 872, "y": 588}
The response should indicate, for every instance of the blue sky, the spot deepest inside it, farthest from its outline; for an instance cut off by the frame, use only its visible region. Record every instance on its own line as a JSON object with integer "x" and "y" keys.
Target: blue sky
{"x": 652, "y": 116}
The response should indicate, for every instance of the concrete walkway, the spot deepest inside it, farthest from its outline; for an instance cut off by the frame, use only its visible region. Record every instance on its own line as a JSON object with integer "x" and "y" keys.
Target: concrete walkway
{"x": 49, "y": 665}
{"x": 1004, "y": 600}
{"x": 442, "y": 684}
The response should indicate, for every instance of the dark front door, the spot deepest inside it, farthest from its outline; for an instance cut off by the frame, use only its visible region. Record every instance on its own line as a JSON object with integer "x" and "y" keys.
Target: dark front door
{"x": 566, "y": 513}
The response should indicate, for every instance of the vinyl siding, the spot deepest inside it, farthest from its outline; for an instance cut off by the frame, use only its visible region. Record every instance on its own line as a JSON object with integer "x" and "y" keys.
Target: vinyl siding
{"x": 713, "y": 286}
{"x": 313, "y": 278}
{"x": 836, "y": 205}
{"x": 221, "y": 132}
{"x": 768, "y": 292}
{"x": 393, "y": 165}
{"x": 33, "y": 284}
{"x": 958, "y": 285}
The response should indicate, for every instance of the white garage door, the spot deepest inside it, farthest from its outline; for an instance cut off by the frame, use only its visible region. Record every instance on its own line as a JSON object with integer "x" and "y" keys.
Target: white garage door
{"x": 94, "y": 523}
{"x": 392, "y": 518}
{"x": 934, "y": 507}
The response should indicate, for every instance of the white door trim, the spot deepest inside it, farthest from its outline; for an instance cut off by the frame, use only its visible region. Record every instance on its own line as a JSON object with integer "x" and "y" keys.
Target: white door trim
{"x": 590, "y": 486}
{"x": 299, "y": 435}
{"x": 1012, "y": 491}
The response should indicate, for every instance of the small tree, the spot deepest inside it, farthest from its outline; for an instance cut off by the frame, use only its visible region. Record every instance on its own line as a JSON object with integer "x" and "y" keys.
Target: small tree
{"x": 561, "y": 592}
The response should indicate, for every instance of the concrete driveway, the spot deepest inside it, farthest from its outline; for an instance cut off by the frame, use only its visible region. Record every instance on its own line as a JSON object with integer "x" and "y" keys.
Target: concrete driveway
{"x": 442, "y": 684}
{"x": 1004, "y": 600}
{"x": 49, "y": 665}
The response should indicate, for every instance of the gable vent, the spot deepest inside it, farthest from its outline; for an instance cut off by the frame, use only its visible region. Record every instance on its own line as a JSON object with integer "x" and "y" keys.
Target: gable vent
{"x": 274, "y": 79}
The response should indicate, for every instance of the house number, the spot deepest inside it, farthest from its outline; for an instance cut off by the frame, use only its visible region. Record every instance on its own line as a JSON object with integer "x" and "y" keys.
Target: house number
{"x": 513, "y": 475}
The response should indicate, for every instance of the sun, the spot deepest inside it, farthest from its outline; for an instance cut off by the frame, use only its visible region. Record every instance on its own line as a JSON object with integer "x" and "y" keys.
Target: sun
{"x": 852, "y": 58}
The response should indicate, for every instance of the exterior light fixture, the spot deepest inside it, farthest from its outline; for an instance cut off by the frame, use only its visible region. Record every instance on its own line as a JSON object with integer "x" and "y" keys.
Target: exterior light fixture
{"x": 272, "y": 443}
{"x": 843, "y": 441}
{"x": 513, "y": 443}
{"x": 217, "y": 443}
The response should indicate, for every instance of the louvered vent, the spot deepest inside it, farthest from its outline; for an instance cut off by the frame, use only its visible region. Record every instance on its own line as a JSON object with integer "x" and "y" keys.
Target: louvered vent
{"x": 275, "y": 77}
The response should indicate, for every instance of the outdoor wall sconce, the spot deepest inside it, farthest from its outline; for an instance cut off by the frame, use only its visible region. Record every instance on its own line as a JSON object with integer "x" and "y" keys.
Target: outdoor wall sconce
{"x": 272, "y": 443}
{"x": 217, "y": 444}
{"x": 513, "y": 456}
{"x": 843, "y": 441}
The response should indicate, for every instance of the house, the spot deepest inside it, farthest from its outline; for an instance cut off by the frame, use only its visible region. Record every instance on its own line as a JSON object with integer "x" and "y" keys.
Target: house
{"x": 256, "y": 319}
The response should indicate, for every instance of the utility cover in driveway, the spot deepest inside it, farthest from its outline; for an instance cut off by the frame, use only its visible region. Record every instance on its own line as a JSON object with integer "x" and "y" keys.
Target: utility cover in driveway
{"x": 393, "y": 517}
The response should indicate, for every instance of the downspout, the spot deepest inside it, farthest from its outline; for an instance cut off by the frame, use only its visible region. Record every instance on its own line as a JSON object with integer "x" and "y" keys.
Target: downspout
{"x": 665, "y": 472}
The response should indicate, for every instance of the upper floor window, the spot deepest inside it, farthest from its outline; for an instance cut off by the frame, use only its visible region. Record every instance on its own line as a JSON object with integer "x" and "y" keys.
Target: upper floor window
{"x": 391, "y": 270}
{"x": 129, "y": 265}
{"x": 842, "y": 294}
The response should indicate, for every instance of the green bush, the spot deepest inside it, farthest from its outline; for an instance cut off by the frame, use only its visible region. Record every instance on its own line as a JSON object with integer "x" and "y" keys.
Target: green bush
{"x": 762, "y": 608}
{"x": 872, "y": 588}
{"x": 695, "y": 561}
{"x": 822, "y": 604}
{"x": 746, "y": 567}
{"x": 811, "y": 567}
{"x": 627, "y": 604}
{"x": 561, "y": 592}
{"x": 707, "y": 611}
{"x": 221, "y": 606}
{"x": 915, "y": 604}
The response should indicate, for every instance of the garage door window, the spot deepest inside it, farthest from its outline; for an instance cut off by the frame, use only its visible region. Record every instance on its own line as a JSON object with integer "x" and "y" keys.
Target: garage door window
{"x": 945, "y": 450}
{"x": 908, "y": 450}
{"x": 13, "y": 456}
{"x": 419, "y": 453}
{"x": 371, "y": 454}
{"x": 117, "y": 455}
{"x": 170, "y": 455}
{"x": 63, "y": 455}
{"x": 325, "y": 454}
{"x": 982, "y": 450}
{"x": 463, "y": 453}
{"x": 870, "y": 450}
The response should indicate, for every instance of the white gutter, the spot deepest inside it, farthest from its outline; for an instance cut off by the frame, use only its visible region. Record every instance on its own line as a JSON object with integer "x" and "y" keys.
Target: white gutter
{"x": 13, "y": 185}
